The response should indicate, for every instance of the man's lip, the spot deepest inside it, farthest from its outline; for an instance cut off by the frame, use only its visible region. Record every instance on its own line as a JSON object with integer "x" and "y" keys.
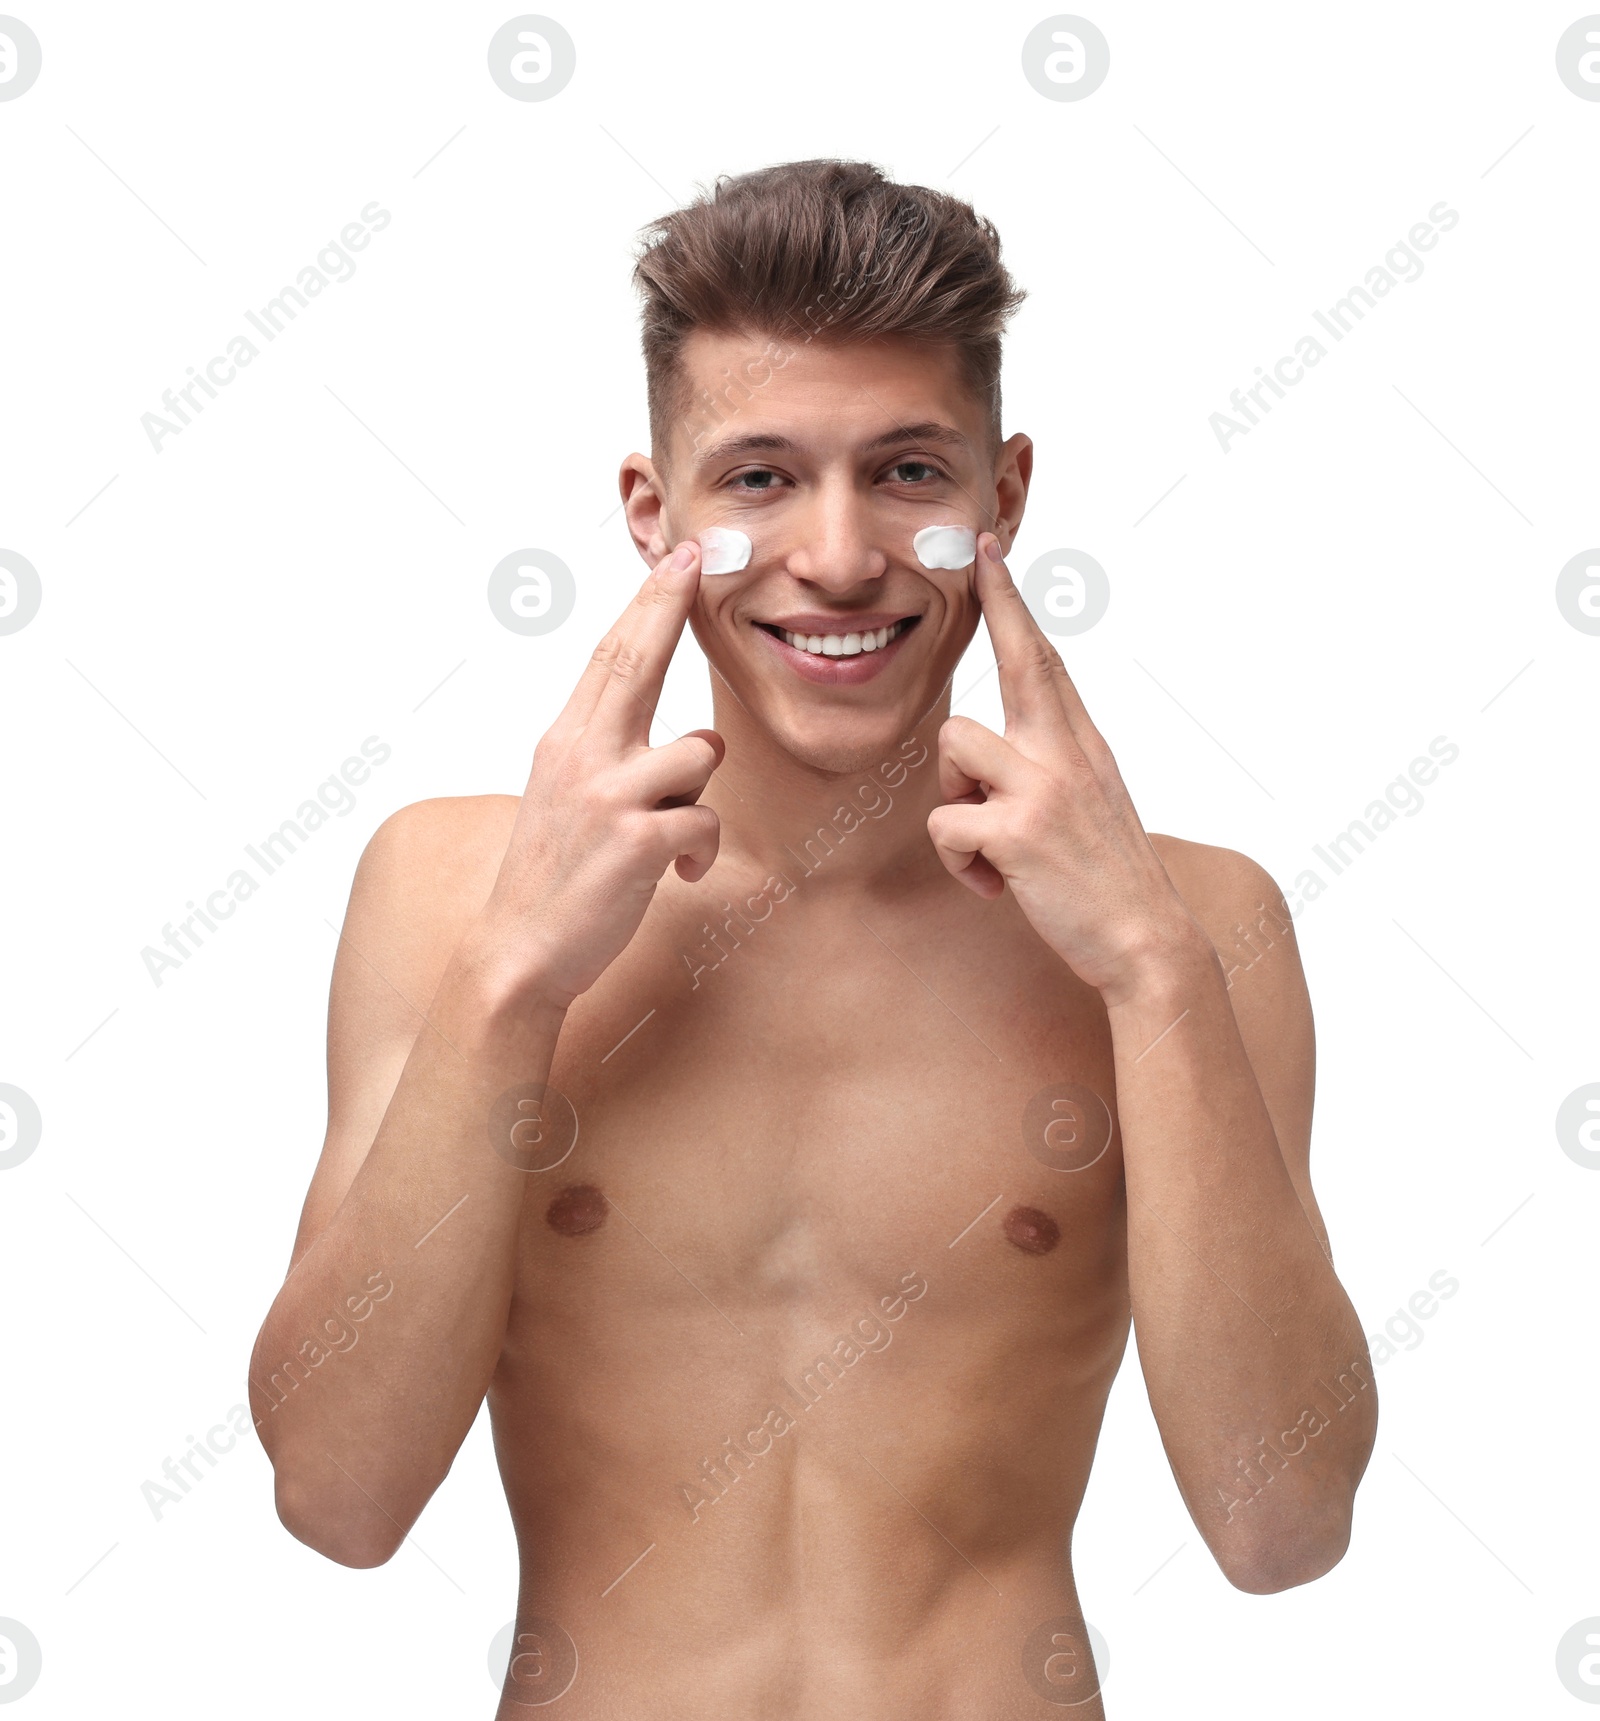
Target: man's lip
{"x": 868, "y": 621}
{"x": 836, "y": 671}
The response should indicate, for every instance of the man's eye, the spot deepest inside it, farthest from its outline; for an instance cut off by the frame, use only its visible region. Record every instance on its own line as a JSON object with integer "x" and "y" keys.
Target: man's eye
{"x": 915, "y": 471}
{"x": 761, "y": 479}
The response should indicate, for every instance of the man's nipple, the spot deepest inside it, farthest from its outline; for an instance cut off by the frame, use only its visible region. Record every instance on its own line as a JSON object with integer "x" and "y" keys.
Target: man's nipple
{"x": 579, "y": 1209}
{"x": 1033, "y": 1232}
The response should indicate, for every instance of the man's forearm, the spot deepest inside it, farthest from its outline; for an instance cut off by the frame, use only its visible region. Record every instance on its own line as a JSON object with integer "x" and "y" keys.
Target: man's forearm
{"x": 418, "y": 1264}
{"x": 1255, "y": 1361}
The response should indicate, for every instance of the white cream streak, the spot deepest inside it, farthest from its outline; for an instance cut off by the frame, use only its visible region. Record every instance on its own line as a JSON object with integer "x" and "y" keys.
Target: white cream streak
{"x": 725, "y": 551}
{"x": 946, "y": 546}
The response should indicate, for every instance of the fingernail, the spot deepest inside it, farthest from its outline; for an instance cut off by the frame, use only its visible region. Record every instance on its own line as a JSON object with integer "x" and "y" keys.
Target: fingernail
{"x": 992, "y": 550}
{"x": 681, "y": 557}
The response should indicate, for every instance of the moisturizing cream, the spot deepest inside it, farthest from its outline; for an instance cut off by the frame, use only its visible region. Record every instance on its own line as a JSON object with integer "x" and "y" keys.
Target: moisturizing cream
{"x": 946, "y": 546}
{"x": 725, "y": 551}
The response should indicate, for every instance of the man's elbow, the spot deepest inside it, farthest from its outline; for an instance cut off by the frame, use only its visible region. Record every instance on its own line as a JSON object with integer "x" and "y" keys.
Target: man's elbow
{"x": 1284, "y": 1562}
{"x": 362, "y": 1542}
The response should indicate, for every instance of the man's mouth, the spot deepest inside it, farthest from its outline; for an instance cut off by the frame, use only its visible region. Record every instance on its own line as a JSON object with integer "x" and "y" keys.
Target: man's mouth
{"x": 839, "y": 640}
{"x": 839, "y": 651}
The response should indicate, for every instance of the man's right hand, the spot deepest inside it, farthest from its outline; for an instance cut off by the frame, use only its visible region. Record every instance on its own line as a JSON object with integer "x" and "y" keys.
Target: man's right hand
{"x": 604, "y": 811}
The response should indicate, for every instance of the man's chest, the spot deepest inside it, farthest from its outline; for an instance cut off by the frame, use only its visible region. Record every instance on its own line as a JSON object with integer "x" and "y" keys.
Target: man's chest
{"x": 784, "y": 1113}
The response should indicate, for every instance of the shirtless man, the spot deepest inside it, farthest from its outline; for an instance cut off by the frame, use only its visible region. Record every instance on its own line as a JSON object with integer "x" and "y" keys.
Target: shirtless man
{"x": 783, "y": 1125}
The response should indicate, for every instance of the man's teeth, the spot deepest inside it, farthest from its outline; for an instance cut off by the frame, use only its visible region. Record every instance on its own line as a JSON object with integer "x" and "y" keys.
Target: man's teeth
{"x": 843, "y": 644}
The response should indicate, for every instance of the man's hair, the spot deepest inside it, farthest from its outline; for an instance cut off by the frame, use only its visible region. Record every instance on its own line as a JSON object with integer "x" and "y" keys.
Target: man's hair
{"x": 822, "y": 250}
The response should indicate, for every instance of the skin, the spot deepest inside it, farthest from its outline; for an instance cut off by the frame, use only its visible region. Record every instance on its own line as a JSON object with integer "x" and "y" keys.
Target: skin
{"x": 814, "y": 1124}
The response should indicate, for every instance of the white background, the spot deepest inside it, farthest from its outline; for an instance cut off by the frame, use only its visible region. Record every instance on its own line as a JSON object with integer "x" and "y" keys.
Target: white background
{"x": 1373, "y": 566}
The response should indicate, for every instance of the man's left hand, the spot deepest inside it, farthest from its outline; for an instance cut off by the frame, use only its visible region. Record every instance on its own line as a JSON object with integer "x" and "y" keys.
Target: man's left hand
{"x": 1044, "y": 810}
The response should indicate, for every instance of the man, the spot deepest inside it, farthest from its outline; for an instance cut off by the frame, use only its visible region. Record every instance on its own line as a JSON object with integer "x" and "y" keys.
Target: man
{"x": 782, "y": 1125}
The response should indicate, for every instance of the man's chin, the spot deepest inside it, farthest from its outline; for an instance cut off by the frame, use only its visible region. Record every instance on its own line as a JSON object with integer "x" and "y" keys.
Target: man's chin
{"x": 830, "y": 742}
{"x": 837, "y": 759}
{"x": 831, "y": 749}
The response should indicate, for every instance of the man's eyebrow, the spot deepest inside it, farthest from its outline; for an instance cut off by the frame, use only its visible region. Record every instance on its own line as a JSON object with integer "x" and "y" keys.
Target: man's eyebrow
{"x": 734, "y": 446}
{"x": 930, "y": 431}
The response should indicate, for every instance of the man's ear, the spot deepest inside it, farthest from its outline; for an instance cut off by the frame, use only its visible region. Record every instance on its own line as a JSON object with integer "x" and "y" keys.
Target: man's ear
{"x": 1013, "y": 472}
{"x": 645, "y": 507}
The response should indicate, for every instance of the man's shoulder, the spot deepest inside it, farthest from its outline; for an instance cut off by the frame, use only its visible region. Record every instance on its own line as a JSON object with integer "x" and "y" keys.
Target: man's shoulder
{"x": 1231, "y": 898}
{"x": 443, "y": 852}
{"x": 447, "y": 825}
{"x": 1205, "y": 874}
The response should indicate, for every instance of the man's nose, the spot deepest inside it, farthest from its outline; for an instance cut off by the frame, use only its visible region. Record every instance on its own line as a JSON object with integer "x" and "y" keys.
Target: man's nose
{"x": 838, "y": 547}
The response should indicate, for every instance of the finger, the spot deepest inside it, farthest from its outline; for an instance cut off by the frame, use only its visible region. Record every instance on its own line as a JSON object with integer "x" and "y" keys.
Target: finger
{"x": 666, "y": 591}
{"x": 975, "y": 759}
{"x": 586, "y": 694}
{"x": 691, "y": 835}
{"x": 676, "y": 774}
{"x": 1078, "y": 718}
{"x": 1031, "y": 670}
{"x": 958, "y": 836}
{"x": 627, "y": 704}
{"x": 955, "y": 785}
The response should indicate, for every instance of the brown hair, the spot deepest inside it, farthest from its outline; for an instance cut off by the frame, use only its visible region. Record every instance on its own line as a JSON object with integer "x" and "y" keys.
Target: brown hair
{"x": 826, "y": 249}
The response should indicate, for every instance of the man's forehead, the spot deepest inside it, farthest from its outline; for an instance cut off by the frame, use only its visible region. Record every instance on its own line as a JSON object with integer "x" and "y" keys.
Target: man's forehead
{"x": 824, "y": 397}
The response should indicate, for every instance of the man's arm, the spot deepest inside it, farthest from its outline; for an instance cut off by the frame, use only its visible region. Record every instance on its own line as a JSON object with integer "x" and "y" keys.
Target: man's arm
{"x": 472, "y": 928}
{"x": 1255, "y": 1362}
{"x": 1253, "y": 1356}
{"x": 377, "y": 1351}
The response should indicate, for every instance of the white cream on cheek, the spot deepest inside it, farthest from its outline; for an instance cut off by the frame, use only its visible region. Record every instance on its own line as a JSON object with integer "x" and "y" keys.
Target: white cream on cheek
{"x": 946, "y": 546}
{"x": 724, "y": 551}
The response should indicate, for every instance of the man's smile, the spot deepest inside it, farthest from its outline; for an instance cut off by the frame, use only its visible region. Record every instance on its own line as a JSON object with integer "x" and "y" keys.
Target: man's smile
{"x": 841, "y": 649}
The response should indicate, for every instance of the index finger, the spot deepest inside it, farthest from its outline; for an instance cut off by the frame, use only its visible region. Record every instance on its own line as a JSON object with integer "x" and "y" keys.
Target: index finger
{"x": 621, "y": 684}
{"x": 1034, "y": 685}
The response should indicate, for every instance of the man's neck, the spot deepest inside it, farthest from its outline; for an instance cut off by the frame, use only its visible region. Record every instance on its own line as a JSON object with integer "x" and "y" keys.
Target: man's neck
{"x": 855, "y": 832}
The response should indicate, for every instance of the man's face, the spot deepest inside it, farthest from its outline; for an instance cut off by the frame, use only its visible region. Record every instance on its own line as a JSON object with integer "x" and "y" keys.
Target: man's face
{"x": 830, "y": 462}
